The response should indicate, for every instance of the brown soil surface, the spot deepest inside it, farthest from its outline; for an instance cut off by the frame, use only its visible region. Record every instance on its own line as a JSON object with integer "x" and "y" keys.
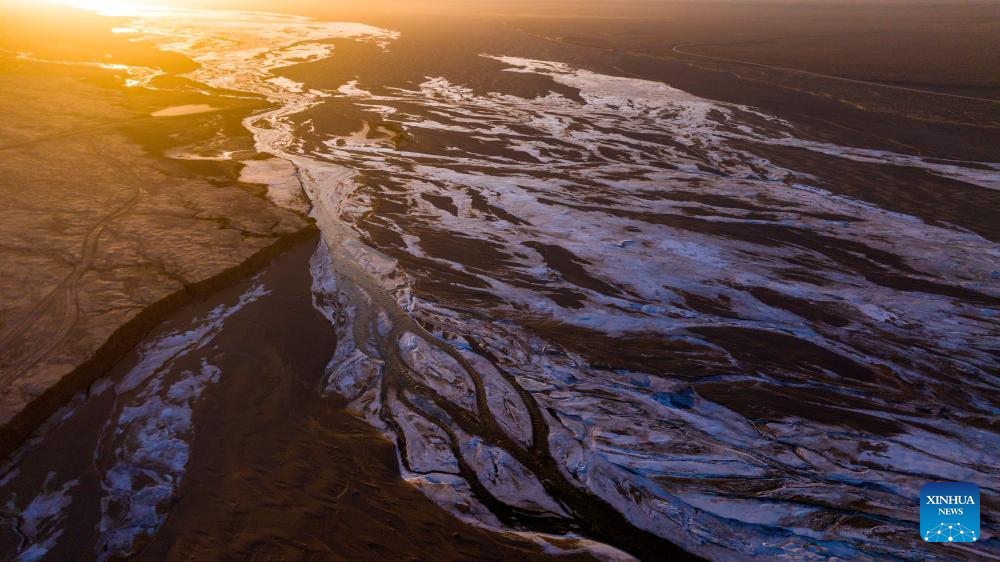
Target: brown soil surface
{"x": 96, "y": 225}
{"x": 276, "y": 471}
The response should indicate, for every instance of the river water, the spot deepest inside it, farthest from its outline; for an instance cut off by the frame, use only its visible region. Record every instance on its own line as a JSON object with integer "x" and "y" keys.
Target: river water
{"x": 587, "y": 305}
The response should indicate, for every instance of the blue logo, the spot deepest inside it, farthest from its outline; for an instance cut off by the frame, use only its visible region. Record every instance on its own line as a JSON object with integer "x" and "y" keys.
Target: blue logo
{"x": 949, "y": 512}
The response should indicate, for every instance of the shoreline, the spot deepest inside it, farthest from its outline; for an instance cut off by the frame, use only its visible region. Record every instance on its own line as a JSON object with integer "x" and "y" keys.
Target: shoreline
{"x": 562, "y": 312}
{"x": 216, "y": 418}
{"x": 19, "y": 429}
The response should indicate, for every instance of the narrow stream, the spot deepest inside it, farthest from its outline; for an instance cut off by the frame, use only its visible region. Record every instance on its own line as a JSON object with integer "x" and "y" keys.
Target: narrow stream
{"x": 594, "y": 314}
{"x": 211, "y": 440}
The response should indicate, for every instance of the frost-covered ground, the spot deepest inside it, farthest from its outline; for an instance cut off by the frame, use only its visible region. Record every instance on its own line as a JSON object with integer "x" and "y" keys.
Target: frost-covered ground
{"x": 602, "y": 309}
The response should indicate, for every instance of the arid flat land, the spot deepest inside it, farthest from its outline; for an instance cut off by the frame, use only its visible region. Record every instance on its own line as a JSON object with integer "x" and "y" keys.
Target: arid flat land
{"x": 120, "y": 229}
{"x": 612, "y": 279}
{"x": 97, "y": 225}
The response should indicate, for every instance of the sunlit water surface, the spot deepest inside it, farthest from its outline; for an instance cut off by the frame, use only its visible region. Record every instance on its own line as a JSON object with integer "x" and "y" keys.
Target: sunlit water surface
{"x": 486, "y": 254}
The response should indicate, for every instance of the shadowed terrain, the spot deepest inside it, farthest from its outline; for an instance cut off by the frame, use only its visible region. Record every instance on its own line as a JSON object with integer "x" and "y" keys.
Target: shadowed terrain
{"x": 650, "y": 280}
{"x": 97, "y": 226}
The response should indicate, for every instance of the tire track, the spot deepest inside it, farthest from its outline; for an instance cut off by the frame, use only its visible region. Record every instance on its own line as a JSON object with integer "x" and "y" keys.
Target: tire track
{"x": 76, "y": 132}
{"x": 62, "y": 303}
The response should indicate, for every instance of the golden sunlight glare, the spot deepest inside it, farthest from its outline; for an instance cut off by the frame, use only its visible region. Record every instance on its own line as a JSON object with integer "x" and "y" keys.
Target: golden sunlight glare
{"x": 111, "y": 7}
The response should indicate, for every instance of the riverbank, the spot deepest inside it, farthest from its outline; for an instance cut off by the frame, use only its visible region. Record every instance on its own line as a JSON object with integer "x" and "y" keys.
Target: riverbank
{"x": 226, "y": 449}
{"x": 103, "y": 233}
